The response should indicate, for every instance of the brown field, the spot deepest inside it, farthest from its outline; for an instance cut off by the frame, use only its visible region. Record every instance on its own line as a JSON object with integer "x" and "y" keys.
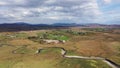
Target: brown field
{"x": 104, "y": 44}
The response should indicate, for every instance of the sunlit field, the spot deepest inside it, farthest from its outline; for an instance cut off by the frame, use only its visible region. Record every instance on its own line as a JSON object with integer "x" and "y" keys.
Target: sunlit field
{"x": 21, "y": 49}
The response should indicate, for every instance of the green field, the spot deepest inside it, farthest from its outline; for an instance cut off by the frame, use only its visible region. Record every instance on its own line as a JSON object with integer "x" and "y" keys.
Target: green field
{"x": 49, "y": 58}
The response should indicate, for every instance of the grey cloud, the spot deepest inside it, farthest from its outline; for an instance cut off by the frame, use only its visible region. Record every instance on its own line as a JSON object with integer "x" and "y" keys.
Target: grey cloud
{"x": 70, "y": 10}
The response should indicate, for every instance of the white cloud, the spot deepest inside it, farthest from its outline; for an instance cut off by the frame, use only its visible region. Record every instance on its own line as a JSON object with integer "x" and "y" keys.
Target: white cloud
{"x": 3, "y": 3}
{"x": 107, "y": 1}
{"x": 50, "y": 1}
{"x": 39, "y": 10}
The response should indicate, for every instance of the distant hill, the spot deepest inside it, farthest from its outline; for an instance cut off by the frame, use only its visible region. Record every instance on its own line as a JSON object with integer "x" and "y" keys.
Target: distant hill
{"x": 25, "y": 27}
{"x": 94, "y": 25}
{"x": 67, "y": 24}
{"x": 22, "y": 26}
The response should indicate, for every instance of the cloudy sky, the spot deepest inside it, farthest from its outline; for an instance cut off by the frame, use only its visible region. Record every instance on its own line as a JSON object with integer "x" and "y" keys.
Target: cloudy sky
{"x": 60, "y": 11}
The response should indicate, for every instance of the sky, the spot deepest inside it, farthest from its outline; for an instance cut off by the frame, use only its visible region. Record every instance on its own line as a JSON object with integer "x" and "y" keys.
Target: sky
{"x": 60, "y": 11}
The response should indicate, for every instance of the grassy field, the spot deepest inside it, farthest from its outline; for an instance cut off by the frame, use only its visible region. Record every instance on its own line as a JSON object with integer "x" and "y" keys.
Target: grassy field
{"x": 18, "y": 49}
{"x": 49, "y": 58}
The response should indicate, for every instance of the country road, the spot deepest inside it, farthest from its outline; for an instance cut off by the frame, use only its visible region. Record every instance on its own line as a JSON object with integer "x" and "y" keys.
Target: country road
{"x": 107, "y": 61}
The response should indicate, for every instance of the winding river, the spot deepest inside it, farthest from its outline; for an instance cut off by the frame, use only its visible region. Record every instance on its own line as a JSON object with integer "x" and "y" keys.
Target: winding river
{"x": 64, "y": 52}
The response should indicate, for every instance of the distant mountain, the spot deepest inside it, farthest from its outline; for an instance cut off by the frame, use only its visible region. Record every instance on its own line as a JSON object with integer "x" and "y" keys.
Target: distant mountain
{"x": 64, "y": 24}
{"x": 22, "y": 26}
{"x": 101, "y": 25}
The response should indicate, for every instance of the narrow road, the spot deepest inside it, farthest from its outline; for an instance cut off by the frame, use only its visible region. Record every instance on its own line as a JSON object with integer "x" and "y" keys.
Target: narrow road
{"x": 110, "y": 63}
{"x": 107, "y": 61}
